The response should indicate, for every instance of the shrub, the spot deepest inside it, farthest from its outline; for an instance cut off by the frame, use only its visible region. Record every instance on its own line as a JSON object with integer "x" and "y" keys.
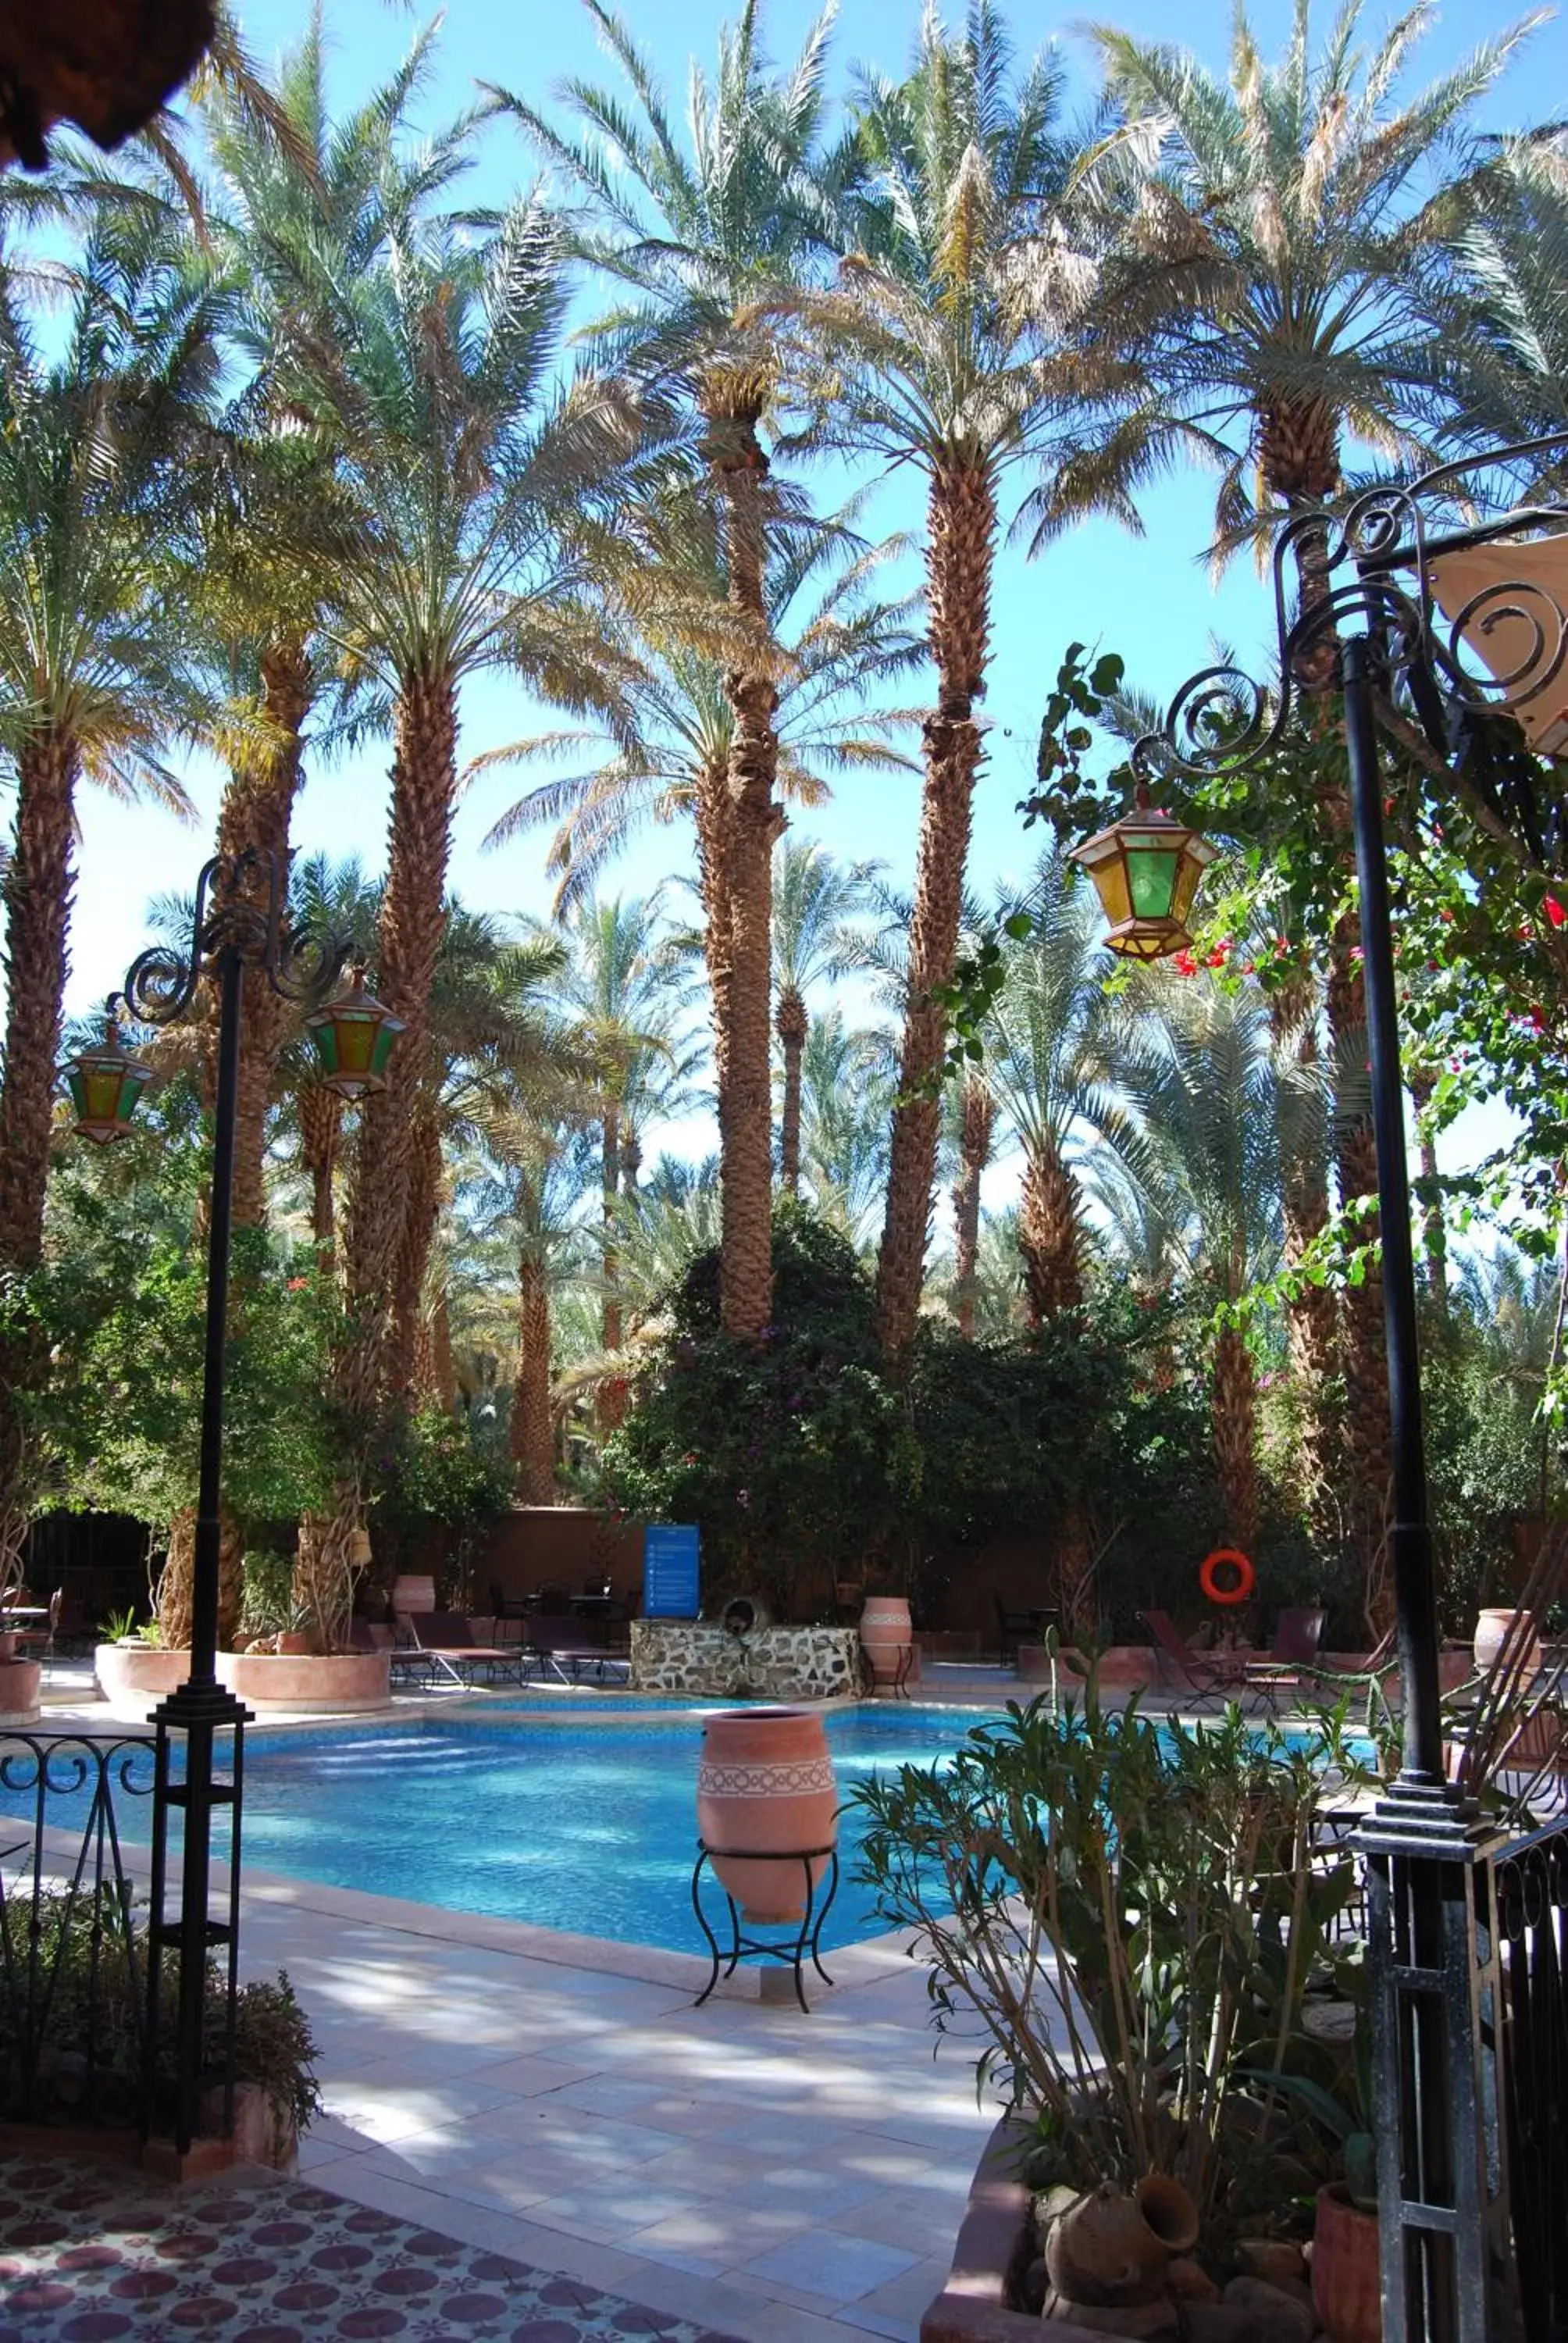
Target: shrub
{"x": 1128, "y": 1910}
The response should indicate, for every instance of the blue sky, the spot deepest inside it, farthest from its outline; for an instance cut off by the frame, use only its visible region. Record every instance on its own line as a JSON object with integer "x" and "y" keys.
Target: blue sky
{"x": 1151, "y": 599}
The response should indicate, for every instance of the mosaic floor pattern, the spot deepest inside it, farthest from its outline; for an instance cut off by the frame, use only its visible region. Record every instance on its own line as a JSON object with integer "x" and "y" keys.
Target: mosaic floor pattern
{"x": 93, "y": 2253}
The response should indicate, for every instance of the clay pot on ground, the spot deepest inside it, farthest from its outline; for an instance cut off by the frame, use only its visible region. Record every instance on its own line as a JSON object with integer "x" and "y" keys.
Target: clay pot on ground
{"x": 1347, "y": 2290}
{"x": 1111, "y": 2248}
{"x": 1511, "y": 1634}
{"x": 21, "y": 1682}
{"x": 886, "y": 1633}
{"x": 765, "y": 1786}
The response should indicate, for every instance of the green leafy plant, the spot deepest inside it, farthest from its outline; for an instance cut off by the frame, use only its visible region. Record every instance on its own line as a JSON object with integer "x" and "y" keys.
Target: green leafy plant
{"x": 1132, "y": 1911}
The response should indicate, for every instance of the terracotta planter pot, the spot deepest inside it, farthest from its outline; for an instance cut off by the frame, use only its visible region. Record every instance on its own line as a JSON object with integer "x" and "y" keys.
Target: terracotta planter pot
{"x": 887, "y": 1635}
{"x": 21, "y": 1681}
{"x": 293, "y": 1643}
{"x": 765, "y": 1785}
{"x": 1515, "y": 1629}
{"x": 283, "y": 1680}
{"x": 1347, "y": 2290}
{"x": 134, "y": 1677}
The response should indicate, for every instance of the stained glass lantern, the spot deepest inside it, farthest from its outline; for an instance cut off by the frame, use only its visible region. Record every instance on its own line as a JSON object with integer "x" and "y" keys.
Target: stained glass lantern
{"x": 1146, "y": 869}
{"x": 106, "y": 1084}
{"x": 353, "y": 1038}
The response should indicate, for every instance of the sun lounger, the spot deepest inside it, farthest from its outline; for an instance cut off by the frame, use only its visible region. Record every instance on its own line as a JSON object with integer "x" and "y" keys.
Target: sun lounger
{"x": 565, "y": 1654}
{"x": 440, "y": 1647}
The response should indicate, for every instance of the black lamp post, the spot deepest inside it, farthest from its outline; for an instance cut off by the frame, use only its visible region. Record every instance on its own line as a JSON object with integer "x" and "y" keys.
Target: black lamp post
{"x": 240, "y": 923}
{"x": 1436, "y": 631}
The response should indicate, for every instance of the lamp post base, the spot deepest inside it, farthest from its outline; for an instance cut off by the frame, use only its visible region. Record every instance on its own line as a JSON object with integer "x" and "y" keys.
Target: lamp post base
{"x": 1437, "y": 2010}
{"x": 194, "y": 1717}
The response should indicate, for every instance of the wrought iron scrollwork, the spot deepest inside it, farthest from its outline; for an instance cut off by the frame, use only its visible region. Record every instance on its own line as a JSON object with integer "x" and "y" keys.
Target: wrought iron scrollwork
{"x": 241, "y": 906}
{"x": 1373, "y": 567}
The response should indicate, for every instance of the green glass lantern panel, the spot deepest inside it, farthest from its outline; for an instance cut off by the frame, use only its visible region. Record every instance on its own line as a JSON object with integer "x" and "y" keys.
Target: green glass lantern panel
{"x": 353, "y": 1038}
{"x": 105, "y": 1088}
{"x": 1151, "y": 868}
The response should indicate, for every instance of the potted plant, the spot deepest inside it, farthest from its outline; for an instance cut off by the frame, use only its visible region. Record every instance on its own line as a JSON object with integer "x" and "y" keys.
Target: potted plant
{"x": 1100, "y": 1961}
{"x": 1347, "y": 2292}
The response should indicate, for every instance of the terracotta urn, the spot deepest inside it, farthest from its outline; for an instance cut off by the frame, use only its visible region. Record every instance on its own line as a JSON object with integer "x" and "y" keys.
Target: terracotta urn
{"x": 765, "y": 1786}
{"x": 1347, "y": 2290}
{"x": 1102, "y": 2251}
{"x": 887, "y": 1635}
{"x": 1516, "y": 1631}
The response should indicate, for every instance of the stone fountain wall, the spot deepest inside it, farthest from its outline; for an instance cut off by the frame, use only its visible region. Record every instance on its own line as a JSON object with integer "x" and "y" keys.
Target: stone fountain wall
{"x": 698, "y": 1657}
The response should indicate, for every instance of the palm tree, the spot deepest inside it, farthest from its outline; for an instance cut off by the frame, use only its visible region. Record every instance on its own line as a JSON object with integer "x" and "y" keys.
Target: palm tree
{"x": 974, "y": 1106}
{"x": 1052, "y": 1043}
{"x": 92, "y": 427}
{"x": 920, "y": 355}
{"x": 526, "y": 1196}
{"x": 625, "y": 994}
{"x": 814, "y": 902}
{"x": 289, "y": 178}
{"x": 848, "y": 1079}
{"x": 1500, "y": 363}
{"x": 1202, "y": 1080}
{"x": 701, "y": 233}
{"x": 1263, "y": 247}
{"x": 838, "y": 640}
{"x": 432, "y": 372}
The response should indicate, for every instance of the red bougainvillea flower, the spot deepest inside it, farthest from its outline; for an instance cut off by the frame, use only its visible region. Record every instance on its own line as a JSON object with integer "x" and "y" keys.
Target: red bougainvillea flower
{"x": 1185, "y": 964}
{"x": 1219, "y": 956}
{"x": 297, "y": 1284}
{"x": 1555, "y": 911}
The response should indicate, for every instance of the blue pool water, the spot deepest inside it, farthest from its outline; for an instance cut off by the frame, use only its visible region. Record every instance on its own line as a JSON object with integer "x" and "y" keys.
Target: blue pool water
{"x": 589, "y": 1827}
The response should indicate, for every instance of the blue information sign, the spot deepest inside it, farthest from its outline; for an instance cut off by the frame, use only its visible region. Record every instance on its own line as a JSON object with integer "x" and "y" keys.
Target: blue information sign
{"x": 669, "y": 1571}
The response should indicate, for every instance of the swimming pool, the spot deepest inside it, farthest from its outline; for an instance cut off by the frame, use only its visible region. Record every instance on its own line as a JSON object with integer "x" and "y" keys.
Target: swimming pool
{"x": 589, "y": 1827}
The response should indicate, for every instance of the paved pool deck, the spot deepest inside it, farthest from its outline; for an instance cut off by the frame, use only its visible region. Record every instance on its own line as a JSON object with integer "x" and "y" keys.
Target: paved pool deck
{"x": 558, "y": 2105}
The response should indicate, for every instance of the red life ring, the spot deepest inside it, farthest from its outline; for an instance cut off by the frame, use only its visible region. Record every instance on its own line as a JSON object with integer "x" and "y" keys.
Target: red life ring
{"x": 1227, "y": 1558}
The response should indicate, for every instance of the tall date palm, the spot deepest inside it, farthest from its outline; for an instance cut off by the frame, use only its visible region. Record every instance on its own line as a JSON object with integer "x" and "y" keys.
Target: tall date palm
{"x": 702, "y": 231}
{"x": 920, "y": 355}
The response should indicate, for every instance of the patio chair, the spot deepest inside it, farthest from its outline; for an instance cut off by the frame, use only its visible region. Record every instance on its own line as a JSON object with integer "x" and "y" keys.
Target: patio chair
{"x": 1200, "y": 1671}
{"x": 38, "y": 1643}
{"x": 1012, "y": 1628}
{"x": 1293, "y": 1653}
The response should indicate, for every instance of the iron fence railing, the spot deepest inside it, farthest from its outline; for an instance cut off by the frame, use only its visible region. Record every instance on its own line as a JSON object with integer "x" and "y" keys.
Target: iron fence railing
{"x": 1530, "y": 1905}
{"x": 73, "y": 1976}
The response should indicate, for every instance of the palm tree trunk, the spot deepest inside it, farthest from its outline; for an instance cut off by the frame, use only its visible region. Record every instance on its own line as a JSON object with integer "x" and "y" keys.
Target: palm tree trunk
{"x": 609, "y": 1184}
{"x": 1050, "y": 1233}
{"x": 254, "y": 816}
{"x": 1235, "y": 1424}
{"x": 610, "y": 1408}
{"x": 38, "y": 888}
{"x": 320, "y": 1127}
{"x": 424, "y": 785}
{"x": 408, "y": 1360}
{"x": 746, "y": 1123}
{"x": 176, "y": 1581}
{"x": 533, "y": 1435}
{"x": 443, "y": 1370}
{"x": 790, "y": 1024}
{"x": 960, "y": 551}
{"x": 974, "y": 1150}
{"x": 712, "y": 810}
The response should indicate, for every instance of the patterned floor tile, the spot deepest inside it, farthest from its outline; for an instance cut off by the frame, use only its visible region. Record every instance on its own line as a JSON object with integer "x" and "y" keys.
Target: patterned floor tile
{"x": 92, "y": 2254}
